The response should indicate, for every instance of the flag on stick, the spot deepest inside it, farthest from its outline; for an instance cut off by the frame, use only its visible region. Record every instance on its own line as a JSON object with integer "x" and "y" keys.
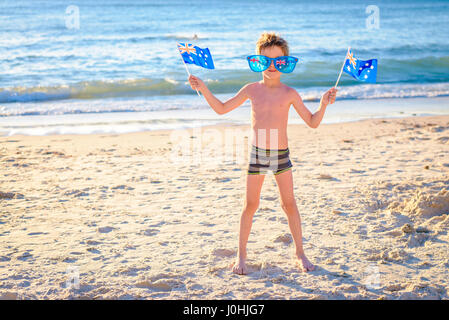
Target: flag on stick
{"x": 195, "y": 55}
{"x": 362, "y": 70}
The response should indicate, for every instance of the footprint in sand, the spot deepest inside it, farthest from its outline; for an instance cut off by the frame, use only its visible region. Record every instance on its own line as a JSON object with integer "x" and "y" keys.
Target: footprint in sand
{"x": 195, "y": 287}
{"x": 324, "y": 176}
{"x": 25, "y": 256}
{"x": 36, "y": 233}
{"x": 352, "y": 170}
{"x": 437, "y": 129}
{"x": 150, "y": 232}
{"x": 221, "y": 179}
{"x": 207, "y": 224}
{"x": 158, "y": 285}
{"x": 393, "y": 255}
{"x": 105, "y": 229}
{"x": 93, "y": 242}
{"x": 223, "y": 253}
{"x": 417, "y": 239}
{"x": 8, "y": 296}
{"x": 93, "y": 250}
{"x": 69, "y": 260}
{"x": 285, "y": 238}
{"x": 10, "y": 195}
{"x": 122, "y": 187}
{"x": 157, "y": 224}
{"x": 443, "y": 140}
{"x": 159, "y": 282}
{"x": 77, "y": 193}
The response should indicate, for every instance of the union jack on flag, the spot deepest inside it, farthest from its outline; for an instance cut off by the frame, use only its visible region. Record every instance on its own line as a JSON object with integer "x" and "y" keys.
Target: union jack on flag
{"x": 280, "y": 62}
{"x": 195, "y": 55}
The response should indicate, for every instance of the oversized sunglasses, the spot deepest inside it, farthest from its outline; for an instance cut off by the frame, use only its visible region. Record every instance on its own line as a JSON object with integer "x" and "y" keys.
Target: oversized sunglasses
{"x": 259, "y": 63}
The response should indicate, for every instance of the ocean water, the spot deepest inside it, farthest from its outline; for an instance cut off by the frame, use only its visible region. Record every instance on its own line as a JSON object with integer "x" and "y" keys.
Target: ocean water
{"x": 113, "y": 66}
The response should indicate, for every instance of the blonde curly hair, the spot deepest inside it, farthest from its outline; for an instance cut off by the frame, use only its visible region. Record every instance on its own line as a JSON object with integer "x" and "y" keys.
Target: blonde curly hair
{"x": 271, "y": 39}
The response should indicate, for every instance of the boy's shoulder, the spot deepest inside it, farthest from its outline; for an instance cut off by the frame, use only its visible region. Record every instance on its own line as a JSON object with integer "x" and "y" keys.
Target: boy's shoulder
{"x": 291, "y": 91}
{"x": 251, "y": 85}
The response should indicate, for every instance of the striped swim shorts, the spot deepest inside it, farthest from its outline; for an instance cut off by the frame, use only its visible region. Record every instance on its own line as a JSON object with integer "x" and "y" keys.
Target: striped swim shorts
{"x": 263, "y": 160}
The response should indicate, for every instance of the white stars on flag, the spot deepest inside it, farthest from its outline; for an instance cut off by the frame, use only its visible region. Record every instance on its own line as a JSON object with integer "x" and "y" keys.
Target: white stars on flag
{"x": 193, "y": 54}
{"x": 362, "y": 70}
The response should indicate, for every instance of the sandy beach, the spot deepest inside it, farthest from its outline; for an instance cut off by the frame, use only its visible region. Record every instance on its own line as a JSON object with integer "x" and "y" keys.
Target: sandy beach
{"x": 121, "y": 217}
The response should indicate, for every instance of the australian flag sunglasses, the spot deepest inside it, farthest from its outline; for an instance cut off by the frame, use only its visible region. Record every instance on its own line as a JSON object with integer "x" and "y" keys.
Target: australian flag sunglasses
{"x": 259, "y": 63}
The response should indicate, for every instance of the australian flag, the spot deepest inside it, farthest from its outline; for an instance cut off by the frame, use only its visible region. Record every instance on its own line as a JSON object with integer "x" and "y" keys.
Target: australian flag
{"x": 195, "y": 55}
{"x": 359, "y": 69}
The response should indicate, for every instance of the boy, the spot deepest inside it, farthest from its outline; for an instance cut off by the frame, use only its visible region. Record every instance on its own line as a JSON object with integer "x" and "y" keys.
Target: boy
{"x": 270, "y": 103}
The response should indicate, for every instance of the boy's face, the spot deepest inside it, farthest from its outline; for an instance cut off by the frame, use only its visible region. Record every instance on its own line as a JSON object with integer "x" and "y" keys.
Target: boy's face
{"x": 272, "y": 52}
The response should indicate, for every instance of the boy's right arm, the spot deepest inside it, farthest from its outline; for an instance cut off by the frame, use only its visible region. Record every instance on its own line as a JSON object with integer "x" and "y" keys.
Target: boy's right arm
{"x": 218, "y": 106}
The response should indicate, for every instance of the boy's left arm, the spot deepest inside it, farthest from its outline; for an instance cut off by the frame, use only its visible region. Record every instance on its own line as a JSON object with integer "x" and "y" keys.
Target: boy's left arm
{"x": 313, "y": 120}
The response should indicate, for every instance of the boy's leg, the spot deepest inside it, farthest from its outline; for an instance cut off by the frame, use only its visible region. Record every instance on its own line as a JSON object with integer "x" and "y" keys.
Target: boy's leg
{"x": 254, "y": 184}
{"x": 284, "y": 181}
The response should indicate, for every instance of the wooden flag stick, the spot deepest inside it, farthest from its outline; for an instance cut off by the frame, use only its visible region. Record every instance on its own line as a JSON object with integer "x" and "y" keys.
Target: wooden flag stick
{"x": 188, "y": 72}
{"x": 341, "y": 70}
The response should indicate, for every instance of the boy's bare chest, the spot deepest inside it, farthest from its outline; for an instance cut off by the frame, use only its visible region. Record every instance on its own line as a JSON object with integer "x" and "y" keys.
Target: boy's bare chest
{"x": 270, "y": 104}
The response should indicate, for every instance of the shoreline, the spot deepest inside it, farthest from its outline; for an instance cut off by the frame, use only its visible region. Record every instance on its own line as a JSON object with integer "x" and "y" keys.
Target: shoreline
{"x": 146, "y": 121}
{"x": 116, "y": 212}
{"x": 221, "y": 126}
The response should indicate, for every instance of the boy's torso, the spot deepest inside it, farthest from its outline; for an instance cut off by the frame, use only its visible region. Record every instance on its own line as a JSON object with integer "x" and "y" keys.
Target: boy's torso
{"x": 269, "y": 115}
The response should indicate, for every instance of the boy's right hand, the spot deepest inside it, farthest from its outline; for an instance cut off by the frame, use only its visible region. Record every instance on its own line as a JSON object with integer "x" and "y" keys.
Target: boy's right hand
{"x": 196, "y": 83}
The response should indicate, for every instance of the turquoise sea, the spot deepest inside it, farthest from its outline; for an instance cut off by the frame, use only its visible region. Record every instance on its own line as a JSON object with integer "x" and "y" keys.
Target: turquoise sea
{"x": 113, "y": 66}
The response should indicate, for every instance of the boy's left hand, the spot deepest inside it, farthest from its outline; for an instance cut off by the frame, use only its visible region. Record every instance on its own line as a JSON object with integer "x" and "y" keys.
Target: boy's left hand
{"x": 329, "y": 96}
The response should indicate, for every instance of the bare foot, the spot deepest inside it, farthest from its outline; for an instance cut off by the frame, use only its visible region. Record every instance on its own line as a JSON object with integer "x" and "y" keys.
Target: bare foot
{"x": 239, "y": 267}
{"x": 304, "y": 263}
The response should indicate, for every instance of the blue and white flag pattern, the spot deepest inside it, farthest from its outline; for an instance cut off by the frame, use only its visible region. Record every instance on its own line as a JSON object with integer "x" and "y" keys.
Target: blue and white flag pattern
{"x": 359, "y": 69}
{"x": 195, "y": 55}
